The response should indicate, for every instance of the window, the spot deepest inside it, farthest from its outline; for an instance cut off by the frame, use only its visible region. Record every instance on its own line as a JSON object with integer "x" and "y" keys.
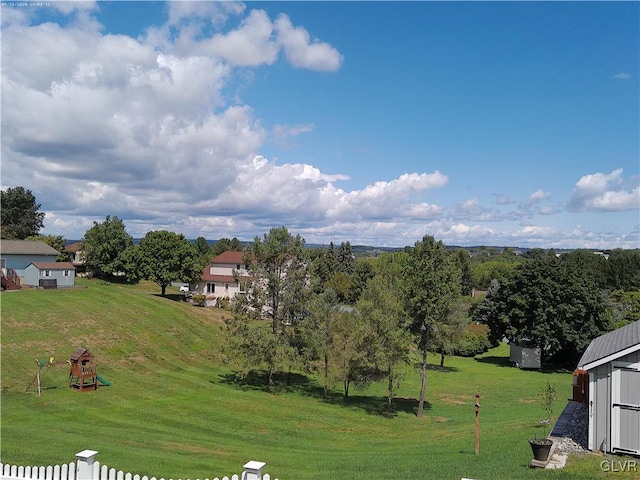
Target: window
{"x": 211, "y": 287}
{"x": 47, "y": 273}
{"x": 66, "y": 273}
{"x": 226, "y": 287}
{"x": 242, "y": 287}
{"x": 238, "y": 267}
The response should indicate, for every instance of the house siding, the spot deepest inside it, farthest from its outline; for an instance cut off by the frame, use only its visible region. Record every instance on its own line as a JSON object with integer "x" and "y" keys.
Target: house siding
{"x": 20, "y": 262}
{"x": 33, "y": 274}
{"x": 611, "y": 426}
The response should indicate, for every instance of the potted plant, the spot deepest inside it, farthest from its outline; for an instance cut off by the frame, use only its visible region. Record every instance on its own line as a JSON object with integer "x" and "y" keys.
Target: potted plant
{"x": 541, "y": 447}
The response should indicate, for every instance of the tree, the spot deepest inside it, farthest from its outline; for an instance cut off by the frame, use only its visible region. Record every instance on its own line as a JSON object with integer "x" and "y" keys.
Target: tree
{"x": 623, "y": 272}
{"x": 362, "y": 273}
{"x": 167, "y": 257}
{"x": 203, "y": 248}
{"x": 318, "y": 333}
{"x": 226, "y": 245}
{"x": 383, "y": 312}
{"x": 461, "y": 257}
{"x": 19, "y": 215}
{"x": 54, "y": 241}
{"x": 346, "y": 260}
{"x": 104, "y": 245}
{"x": 278, "y": 290}
{"x": 553, "y": 306}
{"x": 449, "y": 333}
{"x": 432, "y": 287}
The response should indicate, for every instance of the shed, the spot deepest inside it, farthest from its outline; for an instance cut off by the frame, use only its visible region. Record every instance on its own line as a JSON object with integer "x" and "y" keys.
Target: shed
{"x": 613, "y": 363}
{"x": 50, "y": 274}
{"x": 524, "y": 354}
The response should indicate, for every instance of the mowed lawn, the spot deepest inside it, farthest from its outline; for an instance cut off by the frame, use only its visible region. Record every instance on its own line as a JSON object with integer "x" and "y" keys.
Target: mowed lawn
{"x": 174, "y": 409}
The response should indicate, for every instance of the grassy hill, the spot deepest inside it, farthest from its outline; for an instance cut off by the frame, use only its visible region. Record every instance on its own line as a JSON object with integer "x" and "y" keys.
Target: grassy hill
{"x": 175, "y": 411}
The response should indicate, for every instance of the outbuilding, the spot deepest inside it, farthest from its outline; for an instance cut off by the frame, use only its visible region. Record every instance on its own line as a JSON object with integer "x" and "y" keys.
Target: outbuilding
{"x": 612, "y": 361}
{"x": 524, "y": 354}
{"x": 50, "y": 274}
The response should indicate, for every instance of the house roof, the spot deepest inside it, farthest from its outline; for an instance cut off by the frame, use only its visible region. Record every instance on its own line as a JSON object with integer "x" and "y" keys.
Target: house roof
{"x": 54, "y": 265}
{"x": 231, "y": 257}
{"x": 610, "y": 346}
{"x": 26, "y": 247}
{"x": 207, "y": 277}
{"x": 74, "y": 247}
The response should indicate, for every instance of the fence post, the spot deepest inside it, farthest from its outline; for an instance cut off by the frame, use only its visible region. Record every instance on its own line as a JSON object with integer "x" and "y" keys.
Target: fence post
{"x": 84, "y": 468}
{"x": 253, "y": 470}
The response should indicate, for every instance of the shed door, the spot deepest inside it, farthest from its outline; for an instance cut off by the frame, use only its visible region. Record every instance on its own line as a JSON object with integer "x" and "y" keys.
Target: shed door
{"x": 625, "y": 408}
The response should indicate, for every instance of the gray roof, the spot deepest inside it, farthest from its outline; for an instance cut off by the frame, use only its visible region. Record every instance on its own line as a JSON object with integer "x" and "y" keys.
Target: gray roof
{"x": 26, "y": 247}
{"x": 610, "y": 344}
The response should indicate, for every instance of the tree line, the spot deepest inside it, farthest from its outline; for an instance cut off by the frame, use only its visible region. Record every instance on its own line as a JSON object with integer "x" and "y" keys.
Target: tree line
{"x": 353, "y": 320}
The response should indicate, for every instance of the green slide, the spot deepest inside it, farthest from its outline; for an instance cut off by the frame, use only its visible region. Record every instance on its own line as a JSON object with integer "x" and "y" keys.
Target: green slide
{"x": 103, "y": 381}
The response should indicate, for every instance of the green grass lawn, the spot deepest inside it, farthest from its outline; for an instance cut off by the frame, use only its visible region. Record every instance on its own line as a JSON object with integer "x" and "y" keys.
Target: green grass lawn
{"x": 175, "y": 411}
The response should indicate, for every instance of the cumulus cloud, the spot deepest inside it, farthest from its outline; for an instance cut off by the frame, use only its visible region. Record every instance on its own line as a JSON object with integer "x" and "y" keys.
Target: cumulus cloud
{"x": 537, "y": 196}
{"x": 605, "y": 193}
{"x": 303, "y": 52}
{"x": 149, "y": 129}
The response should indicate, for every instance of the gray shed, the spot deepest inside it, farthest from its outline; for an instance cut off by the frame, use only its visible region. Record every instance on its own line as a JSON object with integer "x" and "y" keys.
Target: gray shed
{"x": 524, "y": 354}
{"x": 613, "y": 363}
{"x": 47, "y": 274}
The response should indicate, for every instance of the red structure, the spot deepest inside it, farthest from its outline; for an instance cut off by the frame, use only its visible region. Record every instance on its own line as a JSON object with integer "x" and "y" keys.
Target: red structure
{"x": 83, "y": 376}
{"x": 580, "y": 386}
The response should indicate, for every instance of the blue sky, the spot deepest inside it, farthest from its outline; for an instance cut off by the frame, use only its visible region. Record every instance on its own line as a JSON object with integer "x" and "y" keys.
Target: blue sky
{"x": 480, "y": 123}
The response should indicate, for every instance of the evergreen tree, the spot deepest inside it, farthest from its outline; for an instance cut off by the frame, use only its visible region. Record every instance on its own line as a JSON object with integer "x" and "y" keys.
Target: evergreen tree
{"x": 19, "y": 215}
{"x": 432, "y": 287}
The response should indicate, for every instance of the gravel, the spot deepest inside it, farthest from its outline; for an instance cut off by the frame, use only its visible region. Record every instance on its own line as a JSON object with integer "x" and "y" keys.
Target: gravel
{"x": 575, "y": 436}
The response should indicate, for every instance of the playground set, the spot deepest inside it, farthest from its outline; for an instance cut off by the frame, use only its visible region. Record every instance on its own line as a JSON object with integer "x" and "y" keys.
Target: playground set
{"x": 83, "y": 375}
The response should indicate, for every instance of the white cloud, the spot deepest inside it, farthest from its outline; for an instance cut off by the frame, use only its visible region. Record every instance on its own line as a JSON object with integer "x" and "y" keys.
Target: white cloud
{"x": 621, "y": 76}
{"x": 537, "y": 196}
{"x": 604, "y": 192}
{"x": 303, "y": 52}
{"x": 284, "y": 133}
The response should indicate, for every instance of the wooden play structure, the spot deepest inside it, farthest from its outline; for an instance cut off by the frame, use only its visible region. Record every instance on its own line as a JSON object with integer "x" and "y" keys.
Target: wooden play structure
{"x": 83, "y": 375}
{"x": 43, "y": 364}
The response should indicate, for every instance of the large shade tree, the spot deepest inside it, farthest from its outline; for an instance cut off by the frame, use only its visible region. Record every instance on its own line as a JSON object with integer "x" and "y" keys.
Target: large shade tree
{"x": 19, "y": 214}
{"x": 554, "y": 306}
{"x": 165, "y": 257}
{"x": 104, "y": 245}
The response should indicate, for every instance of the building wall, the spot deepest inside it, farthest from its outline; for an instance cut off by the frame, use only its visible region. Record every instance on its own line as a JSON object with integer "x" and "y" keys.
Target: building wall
{"x": 20, "y": 262}
{"x": 600, "y": 405}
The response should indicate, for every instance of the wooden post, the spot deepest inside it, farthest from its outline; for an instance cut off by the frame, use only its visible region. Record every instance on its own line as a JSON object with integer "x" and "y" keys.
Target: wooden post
{"x": 477, "y": 408}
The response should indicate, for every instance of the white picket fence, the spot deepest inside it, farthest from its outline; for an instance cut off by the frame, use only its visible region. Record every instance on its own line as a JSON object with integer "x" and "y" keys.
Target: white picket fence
{"x": 87, "y": 468}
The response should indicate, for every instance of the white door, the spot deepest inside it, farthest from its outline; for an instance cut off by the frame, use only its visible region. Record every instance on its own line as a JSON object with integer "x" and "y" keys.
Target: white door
{"x": 625, "y": 408}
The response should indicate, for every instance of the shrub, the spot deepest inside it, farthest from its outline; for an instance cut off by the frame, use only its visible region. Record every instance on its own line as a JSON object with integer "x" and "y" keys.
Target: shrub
{"x": 475, "y": 340}
{"x": 199, "y": 300}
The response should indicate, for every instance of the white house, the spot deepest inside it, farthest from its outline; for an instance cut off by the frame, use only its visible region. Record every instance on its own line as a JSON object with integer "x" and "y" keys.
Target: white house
{"x": 222, "y": 278}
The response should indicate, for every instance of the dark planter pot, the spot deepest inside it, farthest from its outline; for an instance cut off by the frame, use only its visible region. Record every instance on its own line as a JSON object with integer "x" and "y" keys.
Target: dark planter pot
{"x": 541, "y": 448}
